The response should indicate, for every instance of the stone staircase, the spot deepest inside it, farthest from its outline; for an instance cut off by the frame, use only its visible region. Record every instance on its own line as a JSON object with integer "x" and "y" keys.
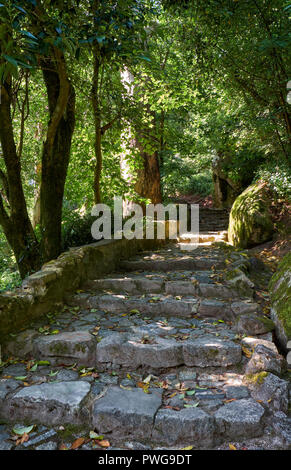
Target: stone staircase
{"x": 213, "y": 220}
{"x": 171, "y": 351}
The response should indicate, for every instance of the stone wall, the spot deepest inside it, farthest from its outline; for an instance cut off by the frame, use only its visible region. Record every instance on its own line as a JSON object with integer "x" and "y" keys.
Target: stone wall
{"x": 280, "y": 293}
{"x": 46, "y": 289}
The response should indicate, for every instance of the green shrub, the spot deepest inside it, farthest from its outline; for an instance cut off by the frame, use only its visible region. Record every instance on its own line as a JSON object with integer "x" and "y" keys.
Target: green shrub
{"x": 278, "y": 178}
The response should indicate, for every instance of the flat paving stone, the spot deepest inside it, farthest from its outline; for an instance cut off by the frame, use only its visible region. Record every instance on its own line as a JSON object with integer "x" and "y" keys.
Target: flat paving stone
{"x": 126, "y": 412}
{"x": 50, "y": 403}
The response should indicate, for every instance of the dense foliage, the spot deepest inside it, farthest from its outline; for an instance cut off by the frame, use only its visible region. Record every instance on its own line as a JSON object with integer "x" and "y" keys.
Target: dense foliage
{"x": 95, "y": 90}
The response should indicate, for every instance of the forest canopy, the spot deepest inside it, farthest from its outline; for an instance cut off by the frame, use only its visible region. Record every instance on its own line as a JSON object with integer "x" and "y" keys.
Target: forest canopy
{"x": 133, "y": 98}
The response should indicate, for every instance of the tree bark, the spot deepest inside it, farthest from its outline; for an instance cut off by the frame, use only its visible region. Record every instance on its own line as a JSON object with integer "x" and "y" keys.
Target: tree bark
{"x": 56, "y": 152}
{"x": 14, "y": 217}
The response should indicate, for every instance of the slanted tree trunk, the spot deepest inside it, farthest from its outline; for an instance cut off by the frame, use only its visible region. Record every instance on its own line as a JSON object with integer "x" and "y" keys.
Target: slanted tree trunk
{"x": 56, "y": 151}
{"x": 14, "y": 217}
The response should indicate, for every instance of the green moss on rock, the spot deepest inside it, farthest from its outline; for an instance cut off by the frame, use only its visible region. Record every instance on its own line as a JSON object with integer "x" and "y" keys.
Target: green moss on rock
{"x": 250, "y": 223}
{"x": 258, "y": 378}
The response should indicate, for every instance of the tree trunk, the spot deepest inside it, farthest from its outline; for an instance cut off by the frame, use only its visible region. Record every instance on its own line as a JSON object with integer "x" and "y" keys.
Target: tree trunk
{"x": 14, "y": 217}
{"x": 148, "y": 178}
{"x": 56, "y": 152}
{"x": 95, "y": 99}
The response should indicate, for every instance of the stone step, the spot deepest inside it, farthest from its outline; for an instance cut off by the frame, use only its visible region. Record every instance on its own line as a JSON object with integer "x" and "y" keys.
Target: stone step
{"x": 145, "y": 285}
{"x": 174, "y": 264}
{"x": 122, "y": 414}
{"x": 150, "y": 346}
{"x": 203, "y": 237}
{"x": 134, "y": 351}
{"x": 168, "y": 305}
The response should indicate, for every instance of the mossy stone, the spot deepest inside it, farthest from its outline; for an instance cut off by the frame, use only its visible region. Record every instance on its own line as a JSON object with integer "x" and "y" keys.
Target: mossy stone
{"x": 250, "y": 223}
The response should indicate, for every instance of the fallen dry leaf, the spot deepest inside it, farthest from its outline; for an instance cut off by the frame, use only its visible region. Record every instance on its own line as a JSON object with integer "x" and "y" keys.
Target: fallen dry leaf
{"x": 22, "y": 439}
{"x": 78, "y": 443}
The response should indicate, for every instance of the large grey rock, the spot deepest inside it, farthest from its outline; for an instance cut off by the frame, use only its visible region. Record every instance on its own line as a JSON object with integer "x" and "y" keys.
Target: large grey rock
{"x": 208, "y": 351}
{"x": 67, "y": 348}
{"x": 253, "y": 324}
{"x": 264, "y": 359}
{"x": 250, "y": 343}
{"x": 281, "y": 424}
{"x": 271, "y": 390}
{"x": 241, "y": 418}
{"x": 187, "y": 426}
{"x": 126, "y": 412}
{"x": 50, "y": 403}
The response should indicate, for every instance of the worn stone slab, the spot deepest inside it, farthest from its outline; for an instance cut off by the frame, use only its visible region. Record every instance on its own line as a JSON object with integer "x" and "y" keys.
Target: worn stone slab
{"x": 241, "y": 418}
{"x": 126, "y": 413}
{"x": 178, "y": 264}
{"x": 21, "y": 345}
{"x": 67, "y": 348}
{"x": 214, "y": 308}
{"x": 108, "y": 349}
{"x": 187, "y": 426}
{"x": 168, "y": 307}
{"x": 236, "y": 391}
{"x": 7, "y": 386}
{"x": 209, "y": 351}
{"x": 129, "y": 351}
{"x": 50, "y": 403}
{"x": 244, "y": 307}
{"x": 217, "y": 291}
{"x": 180, "y": 288}
{"x": 129, "y": 285}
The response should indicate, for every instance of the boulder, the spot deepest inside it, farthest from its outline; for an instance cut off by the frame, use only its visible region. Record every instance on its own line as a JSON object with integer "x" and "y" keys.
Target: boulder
{"x": 264, "y": 359}
{"x": 253, "y": 324}
{"x": 250, "y": 223}
{"x": 269, "y": 390}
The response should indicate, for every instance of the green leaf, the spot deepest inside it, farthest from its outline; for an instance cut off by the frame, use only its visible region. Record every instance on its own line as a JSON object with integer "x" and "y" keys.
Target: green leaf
{"x": 20, "y": 430}
{"x": 11, "y": 60}
{"x": 94, "y": 435}
{"x": 28, "y": 34}
{"x": 43, "y": 363}
{"x": 190, "y": 393}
